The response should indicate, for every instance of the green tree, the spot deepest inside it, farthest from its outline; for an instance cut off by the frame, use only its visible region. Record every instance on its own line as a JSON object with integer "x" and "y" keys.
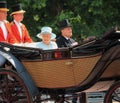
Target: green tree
{"x": 88, "y": 17}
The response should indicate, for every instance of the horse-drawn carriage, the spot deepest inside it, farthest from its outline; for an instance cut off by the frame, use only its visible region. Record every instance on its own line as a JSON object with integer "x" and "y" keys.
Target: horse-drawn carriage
{"x": 32, "y": 75}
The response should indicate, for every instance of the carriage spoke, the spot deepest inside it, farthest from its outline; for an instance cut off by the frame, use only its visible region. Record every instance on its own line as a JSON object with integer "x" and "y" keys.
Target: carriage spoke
{"x": 113, "y": 94}
{"x": 12, "y": 88}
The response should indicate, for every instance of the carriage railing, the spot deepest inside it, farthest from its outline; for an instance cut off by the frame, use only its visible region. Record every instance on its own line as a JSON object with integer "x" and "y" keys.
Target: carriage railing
{"x": 91, "y": 48}
{"x": 30, "y": 53}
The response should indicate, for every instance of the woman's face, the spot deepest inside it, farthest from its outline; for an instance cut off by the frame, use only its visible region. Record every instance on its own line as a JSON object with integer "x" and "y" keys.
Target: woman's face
{"x": 46, "y": 38}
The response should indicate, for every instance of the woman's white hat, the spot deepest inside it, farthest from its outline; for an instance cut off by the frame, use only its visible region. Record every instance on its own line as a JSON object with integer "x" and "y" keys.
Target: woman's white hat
{"x": 46, "y": 30}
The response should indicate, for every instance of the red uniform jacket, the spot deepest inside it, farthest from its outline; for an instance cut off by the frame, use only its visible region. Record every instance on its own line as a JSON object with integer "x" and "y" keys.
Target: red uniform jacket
{"x": 10, "y": 38}
{"x": 25, "y": 35}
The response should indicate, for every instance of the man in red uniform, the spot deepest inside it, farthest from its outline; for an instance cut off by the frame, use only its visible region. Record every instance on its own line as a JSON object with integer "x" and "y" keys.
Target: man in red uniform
{"x": 19, "y": 29}
{"x": 5, "y": 29}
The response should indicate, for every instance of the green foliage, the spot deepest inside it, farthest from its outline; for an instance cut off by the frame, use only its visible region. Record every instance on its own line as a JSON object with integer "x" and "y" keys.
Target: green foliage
{"x": 88, "y": 17}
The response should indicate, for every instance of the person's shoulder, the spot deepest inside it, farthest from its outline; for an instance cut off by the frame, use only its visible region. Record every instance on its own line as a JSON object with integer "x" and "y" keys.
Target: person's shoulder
{"x": 60, "y": 38}
{"x": 71, "y": 39}
{"x": 39, "y": 43}
{"x": 52, "y": 42}
{"x": 12, "y": 23}
{"x": 54, "y": 45}
{"x": 22, "y": 24}
{"x": 6, "y": 21}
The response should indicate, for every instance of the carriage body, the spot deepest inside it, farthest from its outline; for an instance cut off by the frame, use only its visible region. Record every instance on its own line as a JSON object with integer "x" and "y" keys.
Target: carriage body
{"x": 88, "y": 67}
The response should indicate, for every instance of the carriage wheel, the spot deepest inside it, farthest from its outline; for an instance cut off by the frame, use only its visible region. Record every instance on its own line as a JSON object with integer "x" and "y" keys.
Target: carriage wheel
{"x": 83, "y": 98}
{"x": 12, "y": 88}
{"x": 113, "y": 94}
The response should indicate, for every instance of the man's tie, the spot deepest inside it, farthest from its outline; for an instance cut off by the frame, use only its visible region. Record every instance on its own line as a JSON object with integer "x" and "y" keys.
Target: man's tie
{"x": 69, "y": 41}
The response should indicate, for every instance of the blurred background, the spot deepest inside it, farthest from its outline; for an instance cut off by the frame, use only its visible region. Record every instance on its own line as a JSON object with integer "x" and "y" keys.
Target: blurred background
{"x": 88, "y": 17}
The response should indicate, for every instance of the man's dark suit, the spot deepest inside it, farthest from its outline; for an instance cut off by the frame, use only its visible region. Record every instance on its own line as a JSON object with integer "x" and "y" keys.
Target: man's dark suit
{"x": 63, "y": 42}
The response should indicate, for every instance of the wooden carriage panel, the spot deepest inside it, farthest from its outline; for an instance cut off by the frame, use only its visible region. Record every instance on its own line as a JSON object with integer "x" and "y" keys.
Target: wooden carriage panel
{"x": 60, "y": 73}
{"x": 113, "y": 70}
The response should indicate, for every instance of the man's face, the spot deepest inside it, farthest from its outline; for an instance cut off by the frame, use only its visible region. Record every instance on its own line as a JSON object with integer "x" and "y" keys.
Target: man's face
{"x": 67, "y": 32}
{"x": 3, "y": 15}
{"x": 18, "y": 17}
